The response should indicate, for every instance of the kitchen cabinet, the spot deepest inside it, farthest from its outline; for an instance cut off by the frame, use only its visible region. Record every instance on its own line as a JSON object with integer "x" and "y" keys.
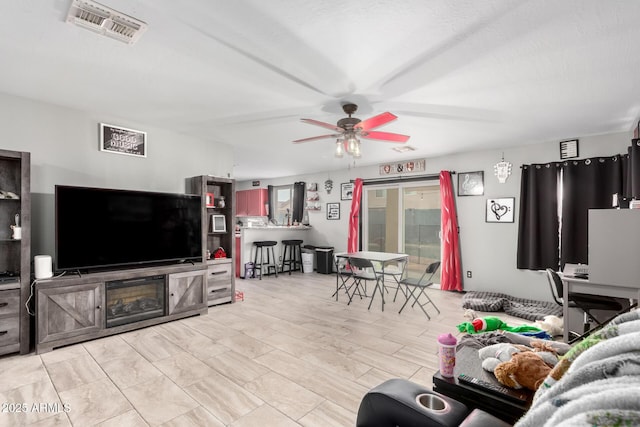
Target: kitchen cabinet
{"x": 252, "y": 202}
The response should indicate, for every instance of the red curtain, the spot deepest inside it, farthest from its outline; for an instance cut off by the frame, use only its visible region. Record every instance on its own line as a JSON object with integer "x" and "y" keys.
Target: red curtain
{"x": 451, "y": 270}
{"x": 354, "y": 217}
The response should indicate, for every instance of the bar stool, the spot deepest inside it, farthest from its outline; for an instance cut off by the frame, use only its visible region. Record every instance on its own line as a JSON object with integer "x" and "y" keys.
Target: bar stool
{"x": 294, "y": 261}
{"x": 267, "y": 245}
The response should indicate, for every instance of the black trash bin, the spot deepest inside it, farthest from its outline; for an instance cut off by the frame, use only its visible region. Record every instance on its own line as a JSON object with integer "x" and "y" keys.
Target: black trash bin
{"x": 324, "y": 259}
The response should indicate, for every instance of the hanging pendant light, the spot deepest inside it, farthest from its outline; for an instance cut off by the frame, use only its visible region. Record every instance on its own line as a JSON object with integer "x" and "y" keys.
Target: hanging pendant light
{"x": 356, "y": 151}
{"x": 352, "y": 143}
{"x": 339, "y": 149}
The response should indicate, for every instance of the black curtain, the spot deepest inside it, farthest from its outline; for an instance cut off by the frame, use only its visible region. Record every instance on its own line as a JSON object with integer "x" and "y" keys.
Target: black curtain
{"x": 297, "y": 204}
{"x": 538, "y": 227}
{"x": 632, "y": 187}
{"x": 586, "y": 184}
{"x": 271, "y": 201}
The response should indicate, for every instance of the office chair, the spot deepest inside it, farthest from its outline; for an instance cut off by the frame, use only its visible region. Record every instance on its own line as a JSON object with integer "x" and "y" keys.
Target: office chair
{"x": 584, "y": 302}
{"x": 363, "y": 270}
{"x": 422, "y": 283}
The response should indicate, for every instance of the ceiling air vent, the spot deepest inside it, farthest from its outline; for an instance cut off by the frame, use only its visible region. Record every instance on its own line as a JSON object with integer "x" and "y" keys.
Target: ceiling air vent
{"x": 404, "y": 149}
{"x": 103, "y": 20}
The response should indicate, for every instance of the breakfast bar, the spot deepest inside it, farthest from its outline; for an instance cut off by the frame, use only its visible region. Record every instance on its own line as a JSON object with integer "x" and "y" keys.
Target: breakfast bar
{"x": 277, "y": 233}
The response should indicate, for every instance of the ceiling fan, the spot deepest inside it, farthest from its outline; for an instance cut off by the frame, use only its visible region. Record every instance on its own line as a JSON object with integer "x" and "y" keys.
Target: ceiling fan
{"x": 349, "y": 129}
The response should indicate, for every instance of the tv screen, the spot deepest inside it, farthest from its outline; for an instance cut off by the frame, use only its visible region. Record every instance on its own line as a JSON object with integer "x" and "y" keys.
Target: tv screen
{"x": 100, "y": 228}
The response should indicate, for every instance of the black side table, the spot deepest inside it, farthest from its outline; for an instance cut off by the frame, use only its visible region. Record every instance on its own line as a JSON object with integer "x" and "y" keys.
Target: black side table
{"x": 468, "y": 363}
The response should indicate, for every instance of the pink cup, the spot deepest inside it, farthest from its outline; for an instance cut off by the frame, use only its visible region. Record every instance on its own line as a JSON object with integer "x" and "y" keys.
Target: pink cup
{"x": 447, "y": 352}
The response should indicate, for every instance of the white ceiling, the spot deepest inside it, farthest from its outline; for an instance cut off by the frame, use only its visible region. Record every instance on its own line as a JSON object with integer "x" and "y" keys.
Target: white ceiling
{"x": 460, "y": 75}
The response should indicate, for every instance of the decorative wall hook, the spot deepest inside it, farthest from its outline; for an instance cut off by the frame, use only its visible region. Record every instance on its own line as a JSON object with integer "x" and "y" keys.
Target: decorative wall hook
{"x": 328, "y": 185}
{"x": 502, "y": 170}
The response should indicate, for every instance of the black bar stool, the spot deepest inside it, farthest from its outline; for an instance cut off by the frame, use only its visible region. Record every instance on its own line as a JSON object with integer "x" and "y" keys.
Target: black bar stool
{"x": 294, "y": 261}
{"x": 267, "y": 245}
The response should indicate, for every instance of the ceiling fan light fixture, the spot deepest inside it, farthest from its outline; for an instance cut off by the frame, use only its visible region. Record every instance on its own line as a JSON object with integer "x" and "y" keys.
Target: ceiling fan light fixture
{"x": 352, "y": 143}
{"x": 356, "y": 153}
{"x": 339, "y": 149}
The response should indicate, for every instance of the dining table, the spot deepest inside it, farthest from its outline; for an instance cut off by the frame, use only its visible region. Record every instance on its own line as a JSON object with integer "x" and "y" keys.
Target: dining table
{"x": 382, "y": 259}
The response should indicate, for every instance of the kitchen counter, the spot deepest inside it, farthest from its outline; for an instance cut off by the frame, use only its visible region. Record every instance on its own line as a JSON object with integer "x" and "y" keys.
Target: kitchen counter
{"x": 278, "y": 227}
{"x": 277, "y": 233}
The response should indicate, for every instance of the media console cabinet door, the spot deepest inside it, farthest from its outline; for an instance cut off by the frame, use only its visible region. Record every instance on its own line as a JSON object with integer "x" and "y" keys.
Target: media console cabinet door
{"x": 69, "y": 311}
{"x": 187, "y": 291}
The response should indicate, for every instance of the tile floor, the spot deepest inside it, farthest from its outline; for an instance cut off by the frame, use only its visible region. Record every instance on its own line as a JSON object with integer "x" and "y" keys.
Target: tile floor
{"x": 288, "y": 355}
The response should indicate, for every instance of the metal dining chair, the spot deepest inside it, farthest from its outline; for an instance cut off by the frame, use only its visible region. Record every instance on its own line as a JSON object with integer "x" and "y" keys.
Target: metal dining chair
{"x": 363, "y": 270}
{"x": 412, "y": 285}
{"x": 344, "y": 280}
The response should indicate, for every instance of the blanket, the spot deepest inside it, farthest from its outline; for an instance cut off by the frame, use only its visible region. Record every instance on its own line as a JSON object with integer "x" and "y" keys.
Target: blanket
{"x": 514, "y": 306}
{"x": 597, "y": 383}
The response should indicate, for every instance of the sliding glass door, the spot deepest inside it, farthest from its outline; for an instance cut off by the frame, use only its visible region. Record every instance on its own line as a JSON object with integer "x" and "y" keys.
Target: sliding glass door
{"x": 404, "y": 218}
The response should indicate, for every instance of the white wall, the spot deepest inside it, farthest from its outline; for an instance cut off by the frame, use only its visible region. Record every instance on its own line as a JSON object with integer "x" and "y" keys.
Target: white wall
{"x": 64, "y": 147}
{"x": 488, "y": 249}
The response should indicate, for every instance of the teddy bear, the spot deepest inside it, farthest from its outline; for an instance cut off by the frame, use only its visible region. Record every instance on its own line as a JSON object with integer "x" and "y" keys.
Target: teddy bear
{"x": 525, "y": 369}
{"x": 546, "y": 351}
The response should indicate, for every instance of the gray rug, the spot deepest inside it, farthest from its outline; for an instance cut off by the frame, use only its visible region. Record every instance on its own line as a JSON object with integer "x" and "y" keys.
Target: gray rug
{"x": 514, "y": 306}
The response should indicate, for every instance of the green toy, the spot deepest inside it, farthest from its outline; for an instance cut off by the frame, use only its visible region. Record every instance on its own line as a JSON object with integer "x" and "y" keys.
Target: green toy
{"x": 490, "y": 323}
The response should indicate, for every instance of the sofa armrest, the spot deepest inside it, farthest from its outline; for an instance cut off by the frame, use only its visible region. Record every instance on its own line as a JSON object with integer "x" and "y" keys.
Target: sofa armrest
{"x": 479, "y": 418}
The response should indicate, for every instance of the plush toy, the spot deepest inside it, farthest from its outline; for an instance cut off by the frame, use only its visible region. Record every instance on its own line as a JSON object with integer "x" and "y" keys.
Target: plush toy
{"x": 490, "y": 323}
{"x": 552, "y": 324}
{"x": 493, "y": 355}
{"x": 546, "y": 351}
{"x": 525, "y": 369}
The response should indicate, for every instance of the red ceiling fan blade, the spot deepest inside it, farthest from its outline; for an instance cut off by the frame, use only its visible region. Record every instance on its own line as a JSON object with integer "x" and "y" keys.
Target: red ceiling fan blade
{"x": 314, "y": 138}
{"x": 385, "y": 136}
{"x": 323, "y": 124}
{"x": 376, "y": 121}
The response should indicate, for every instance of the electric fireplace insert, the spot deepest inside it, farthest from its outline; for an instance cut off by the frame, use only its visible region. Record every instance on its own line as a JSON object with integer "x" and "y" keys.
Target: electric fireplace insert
{"x": 133, "y": 300}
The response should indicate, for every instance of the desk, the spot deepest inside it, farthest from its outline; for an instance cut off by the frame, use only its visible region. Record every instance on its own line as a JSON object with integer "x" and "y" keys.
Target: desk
{"x": 573, "y": 284}
{"x": 468, "y": 363}
{"x": 383, "y": 258}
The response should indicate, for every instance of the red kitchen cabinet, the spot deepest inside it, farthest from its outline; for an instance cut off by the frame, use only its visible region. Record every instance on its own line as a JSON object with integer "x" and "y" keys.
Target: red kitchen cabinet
{"x": 242, "y": 204}
{"x": 252, "y": 202}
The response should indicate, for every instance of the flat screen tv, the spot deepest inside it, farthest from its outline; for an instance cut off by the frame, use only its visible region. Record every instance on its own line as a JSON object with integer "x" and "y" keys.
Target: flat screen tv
{"x": 98, "y": 228}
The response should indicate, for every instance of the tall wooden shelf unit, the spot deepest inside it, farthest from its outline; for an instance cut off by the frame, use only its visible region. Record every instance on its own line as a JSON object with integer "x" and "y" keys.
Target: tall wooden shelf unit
{"x": 15, "y": 264}
{"x": 220, "y": 271}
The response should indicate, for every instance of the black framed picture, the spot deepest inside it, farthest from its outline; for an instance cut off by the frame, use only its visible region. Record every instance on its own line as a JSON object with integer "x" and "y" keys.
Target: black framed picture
{"x": 119, "y": 140}
{"x": 569, "y": 149}
{"x": 471, "y": 183}
{"x": 500, "y": 209}
{"x": 333, "y": 210}
{"x": 346, "y": 191}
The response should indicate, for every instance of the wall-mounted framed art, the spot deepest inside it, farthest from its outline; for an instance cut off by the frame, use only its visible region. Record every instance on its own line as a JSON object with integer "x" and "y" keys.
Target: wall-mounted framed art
{"x": 500, "y": 209}
{"x": 346, "y": 191}
{"x": 333, "y": 210}
{"x": 471, "y": 183}
{"x": 119, "y": 140}
{"x": 569, "y": 149}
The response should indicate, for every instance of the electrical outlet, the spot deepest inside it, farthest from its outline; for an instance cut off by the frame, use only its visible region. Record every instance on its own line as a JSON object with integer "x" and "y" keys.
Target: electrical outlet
{"x": 469, "y": 274}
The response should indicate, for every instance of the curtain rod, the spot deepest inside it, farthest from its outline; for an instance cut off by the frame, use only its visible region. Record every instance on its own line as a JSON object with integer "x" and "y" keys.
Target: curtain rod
{"x": 402, "y": 179}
